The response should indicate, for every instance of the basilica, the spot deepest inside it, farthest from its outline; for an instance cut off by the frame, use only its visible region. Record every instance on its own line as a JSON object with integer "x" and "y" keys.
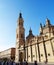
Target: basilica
{"x": 32, "y": 48}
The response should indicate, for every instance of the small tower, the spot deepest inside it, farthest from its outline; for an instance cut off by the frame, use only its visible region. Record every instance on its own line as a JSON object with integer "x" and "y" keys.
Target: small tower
{"x": 47, "y": 22}
{"x": 20, "y": 39}
{"x": 30, "y": 32}
{"x": 41, "y": 29}
{"x": 30, "y": 36}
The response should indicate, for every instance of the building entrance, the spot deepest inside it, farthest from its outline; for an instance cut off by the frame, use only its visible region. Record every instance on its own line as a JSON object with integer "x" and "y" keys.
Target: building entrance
{"x": 21, "y": 56}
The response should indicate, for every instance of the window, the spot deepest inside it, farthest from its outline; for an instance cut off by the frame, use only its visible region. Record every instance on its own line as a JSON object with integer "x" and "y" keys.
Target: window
{"x": 29, "y": 56}
{"x": 17, "y": 35}
{"x": 48, "y": 54}
{"x": 41, "y": 54}
{"x": 22, "y": 36}
{"x": 33, "y": 55}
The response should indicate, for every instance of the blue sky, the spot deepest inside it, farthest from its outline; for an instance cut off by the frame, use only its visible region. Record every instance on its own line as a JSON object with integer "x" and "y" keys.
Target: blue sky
{"x": 33, "y": 12}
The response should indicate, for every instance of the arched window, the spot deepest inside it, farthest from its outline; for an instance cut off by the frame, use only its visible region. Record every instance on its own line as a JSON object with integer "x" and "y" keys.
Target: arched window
{"x": 48, "y": 54}
{"x": 17, "y": 35}
{"x": 22, "y": 35}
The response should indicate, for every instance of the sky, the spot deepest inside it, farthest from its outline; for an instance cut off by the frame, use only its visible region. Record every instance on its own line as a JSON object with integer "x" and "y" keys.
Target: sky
{"x": 33, "y": 12}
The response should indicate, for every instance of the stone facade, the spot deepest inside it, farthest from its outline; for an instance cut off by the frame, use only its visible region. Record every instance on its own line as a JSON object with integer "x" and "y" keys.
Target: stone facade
{"x": 35, "y": 48}
{"x": 8, "y": 54}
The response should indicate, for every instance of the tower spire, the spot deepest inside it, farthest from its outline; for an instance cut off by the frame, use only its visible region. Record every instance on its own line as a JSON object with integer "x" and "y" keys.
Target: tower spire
{"x": 20, "y": 15}
{"x": 47, "y": 22}
{"x": 41, "y": 25}
{"x": 20, "y": 20}
{"x": 30, "y": 31}
{"x": 41, "y": 29}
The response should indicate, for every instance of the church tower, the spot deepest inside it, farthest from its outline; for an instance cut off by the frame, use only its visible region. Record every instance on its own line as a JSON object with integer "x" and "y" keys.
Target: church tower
{"x": 20, "y": 40}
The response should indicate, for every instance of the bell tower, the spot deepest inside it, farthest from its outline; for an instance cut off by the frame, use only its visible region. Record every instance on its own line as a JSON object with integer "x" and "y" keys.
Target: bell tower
{"x": 20, "y": 39}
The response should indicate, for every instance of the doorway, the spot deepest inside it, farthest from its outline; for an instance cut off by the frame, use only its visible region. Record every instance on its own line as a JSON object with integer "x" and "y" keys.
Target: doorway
{"x": 21, "y": 56}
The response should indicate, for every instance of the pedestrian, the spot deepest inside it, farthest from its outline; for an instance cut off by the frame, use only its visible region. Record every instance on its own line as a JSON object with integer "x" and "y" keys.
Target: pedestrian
{"x": 35, "y": 63}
